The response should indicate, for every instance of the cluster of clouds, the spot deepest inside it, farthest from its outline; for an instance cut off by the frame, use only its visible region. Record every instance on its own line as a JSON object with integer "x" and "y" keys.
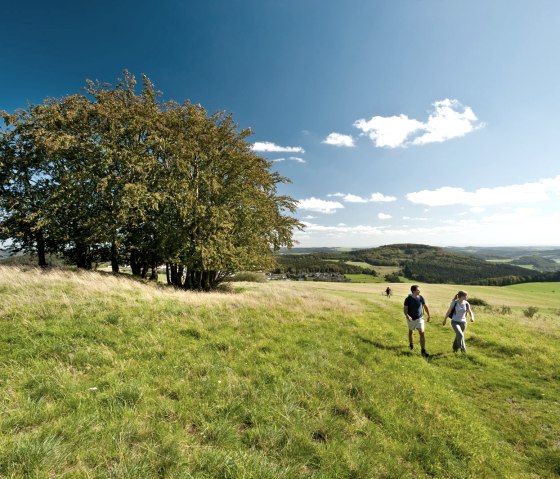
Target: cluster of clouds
{"x": 269, "y": 147}
{"x": 448, "y": 119}
{"x": 374, "y": 198}
{"x": 478, "y": 200}
{"x": 492, "y": 230}
{"x": 494, "y": 207}
{"x": 329, "y": 206}
{"x": 484, "y": 197}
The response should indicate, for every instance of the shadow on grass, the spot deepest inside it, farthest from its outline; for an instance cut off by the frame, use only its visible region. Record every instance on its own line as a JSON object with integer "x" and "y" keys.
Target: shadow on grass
{"x": 404, "y": 351}
{"x": 397, "y": 348}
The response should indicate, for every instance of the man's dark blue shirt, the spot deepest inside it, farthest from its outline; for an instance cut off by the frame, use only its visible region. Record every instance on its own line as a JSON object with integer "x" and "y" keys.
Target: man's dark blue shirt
{"x": 414, "y": 306}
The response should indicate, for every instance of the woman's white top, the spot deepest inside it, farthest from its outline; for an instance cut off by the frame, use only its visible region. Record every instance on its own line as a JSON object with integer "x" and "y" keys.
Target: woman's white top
{"x": 460, "y": 312}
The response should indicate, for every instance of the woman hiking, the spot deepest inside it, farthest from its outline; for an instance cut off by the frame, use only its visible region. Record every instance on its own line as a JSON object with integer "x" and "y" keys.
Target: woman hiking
{"x": 457, "y": 311}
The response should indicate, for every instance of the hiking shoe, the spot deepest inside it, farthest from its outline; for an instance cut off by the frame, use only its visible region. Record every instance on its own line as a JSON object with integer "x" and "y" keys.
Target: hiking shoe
{"x": 411, "y": 346}
{"x": 425, "y": 354}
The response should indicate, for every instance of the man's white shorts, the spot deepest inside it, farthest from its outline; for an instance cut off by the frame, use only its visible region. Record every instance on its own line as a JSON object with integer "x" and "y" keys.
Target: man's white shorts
{"x": 416, "y": 324}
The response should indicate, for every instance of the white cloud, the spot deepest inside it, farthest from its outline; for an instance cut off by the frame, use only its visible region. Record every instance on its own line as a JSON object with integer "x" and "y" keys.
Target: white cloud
{"x": 406, "y": 217}
{"x": 359, "y": 229}
{"x": 476, "y": 209}
{"x": 449, "y": 119}
{"x": 523, "y": 193}
{"x": 389, "y": 132}
{"x": 309, "y": 217}
{"x": 267, "y": 146}
{"x": 291, "y": 158}
{"x": 319, "y": 206}
{"x": 383, "y": 216}
{"x": 354, "y": 199}
{"x": 338, "y": 139}
{"x": 380, "y": 198}
{"x": 374, "y": 198}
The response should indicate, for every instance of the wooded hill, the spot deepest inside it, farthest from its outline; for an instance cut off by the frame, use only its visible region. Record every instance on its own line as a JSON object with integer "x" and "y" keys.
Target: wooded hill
{"x": 549, "y": 258}
{"x": 427, "y": 264}
{"x": 317, "y": 263}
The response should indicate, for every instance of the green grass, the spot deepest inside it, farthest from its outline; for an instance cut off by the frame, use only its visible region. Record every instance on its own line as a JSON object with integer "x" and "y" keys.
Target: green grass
{"x": 364, "y": 278}
{"x": 104, "y": 376}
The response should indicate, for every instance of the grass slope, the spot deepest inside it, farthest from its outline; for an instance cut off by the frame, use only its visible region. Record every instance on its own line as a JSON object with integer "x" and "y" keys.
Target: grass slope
{"x": 103, "y": 376}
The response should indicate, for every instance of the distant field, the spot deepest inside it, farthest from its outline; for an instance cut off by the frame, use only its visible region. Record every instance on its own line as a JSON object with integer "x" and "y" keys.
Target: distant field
{"x": 361, "y": 264}
{"x": 104, "y": 376}
{"x": 364, "y": 278}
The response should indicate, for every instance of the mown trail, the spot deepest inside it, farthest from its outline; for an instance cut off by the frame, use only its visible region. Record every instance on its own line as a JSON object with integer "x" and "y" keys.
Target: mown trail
{"x": 107, "y": 377}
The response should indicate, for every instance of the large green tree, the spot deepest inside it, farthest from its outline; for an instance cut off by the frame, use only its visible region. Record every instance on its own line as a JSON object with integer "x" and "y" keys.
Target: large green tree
{"x": 117, "y": 175}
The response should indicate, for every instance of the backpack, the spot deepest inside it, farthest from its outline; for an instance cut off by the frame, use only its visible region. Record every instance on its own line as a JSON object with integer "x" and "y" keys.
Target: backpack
{"x": 452, "y": 312}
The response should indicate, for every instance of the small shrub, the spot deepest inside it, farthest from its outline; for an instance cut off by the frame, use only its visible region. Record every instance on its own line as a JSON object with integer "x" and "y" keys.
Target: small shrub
{"x": 505, "y": 309}
{"x": 392, "y": 278}
{"x": 478, "y": 302}
{"x": 530, "y": 311}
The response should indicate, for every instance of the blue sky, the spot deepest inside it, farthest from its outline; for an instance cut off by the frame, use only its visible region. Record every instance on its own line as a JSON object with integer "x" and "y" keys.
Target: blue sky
{"x": 425, "y": 121}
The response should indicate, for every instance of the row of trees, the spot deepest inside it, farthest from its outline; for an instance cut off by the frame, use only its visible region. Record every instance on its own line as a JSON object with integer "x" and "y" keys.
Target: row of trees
{"x": 120, "y": 176}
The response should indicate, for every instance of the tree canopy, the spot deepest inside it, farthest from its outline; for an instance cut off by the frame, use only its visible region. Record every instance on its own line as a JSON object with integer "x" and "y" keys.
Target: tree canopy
{"x": 119, "y": 175}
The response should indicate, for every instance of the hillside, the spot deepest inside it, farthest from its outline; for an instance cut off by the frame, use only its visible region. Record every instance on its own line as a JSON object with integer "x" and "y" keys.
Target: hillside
{"x": 541, "y": 259}
{"x": 437, "y": 265}
{"x": 106, "y": 376}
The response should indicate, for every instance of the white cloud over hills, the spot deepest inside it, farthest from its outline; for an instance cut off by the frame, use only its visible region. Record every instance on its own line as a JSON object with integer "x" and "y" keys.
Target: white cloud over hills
{"x": 449, "y": 119}
{"x": 482, "y": 197}
{"x": 493, "y": 230}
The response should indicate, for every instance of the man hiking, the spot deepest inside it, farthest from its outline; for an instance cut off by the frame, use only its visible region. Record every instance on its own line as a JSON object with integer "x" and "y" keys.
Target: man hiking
{"x": 414, "y": 306}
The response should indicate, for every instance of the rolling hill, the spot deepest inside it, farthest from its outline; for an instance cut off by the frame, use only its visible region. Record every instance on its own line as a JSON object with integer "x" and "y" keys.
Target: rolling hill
{"x": 105, "y": 376}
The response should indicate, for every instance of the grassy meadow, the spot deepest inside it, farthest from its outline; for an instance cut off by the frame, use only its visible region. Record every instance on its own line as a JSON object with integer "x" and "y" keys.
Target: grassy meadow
{"x": 106, "y": 377}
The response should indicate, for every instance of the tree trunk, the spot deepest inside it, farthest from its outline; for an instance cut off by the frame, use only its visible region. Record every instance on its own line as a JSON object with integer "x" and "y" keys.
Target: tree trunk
{"x": 168, "y": 273}
{"x": 83, "y": 259}
{"x": 154, "y": 275}
{"x": 114, "y": 257}
{"x": 176, "y": 274}
{"x": 180, "y": 271}
{"x": 135, "y": 264}
{"x": 41, "y": 250}
{"x": 205, "y": 280}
